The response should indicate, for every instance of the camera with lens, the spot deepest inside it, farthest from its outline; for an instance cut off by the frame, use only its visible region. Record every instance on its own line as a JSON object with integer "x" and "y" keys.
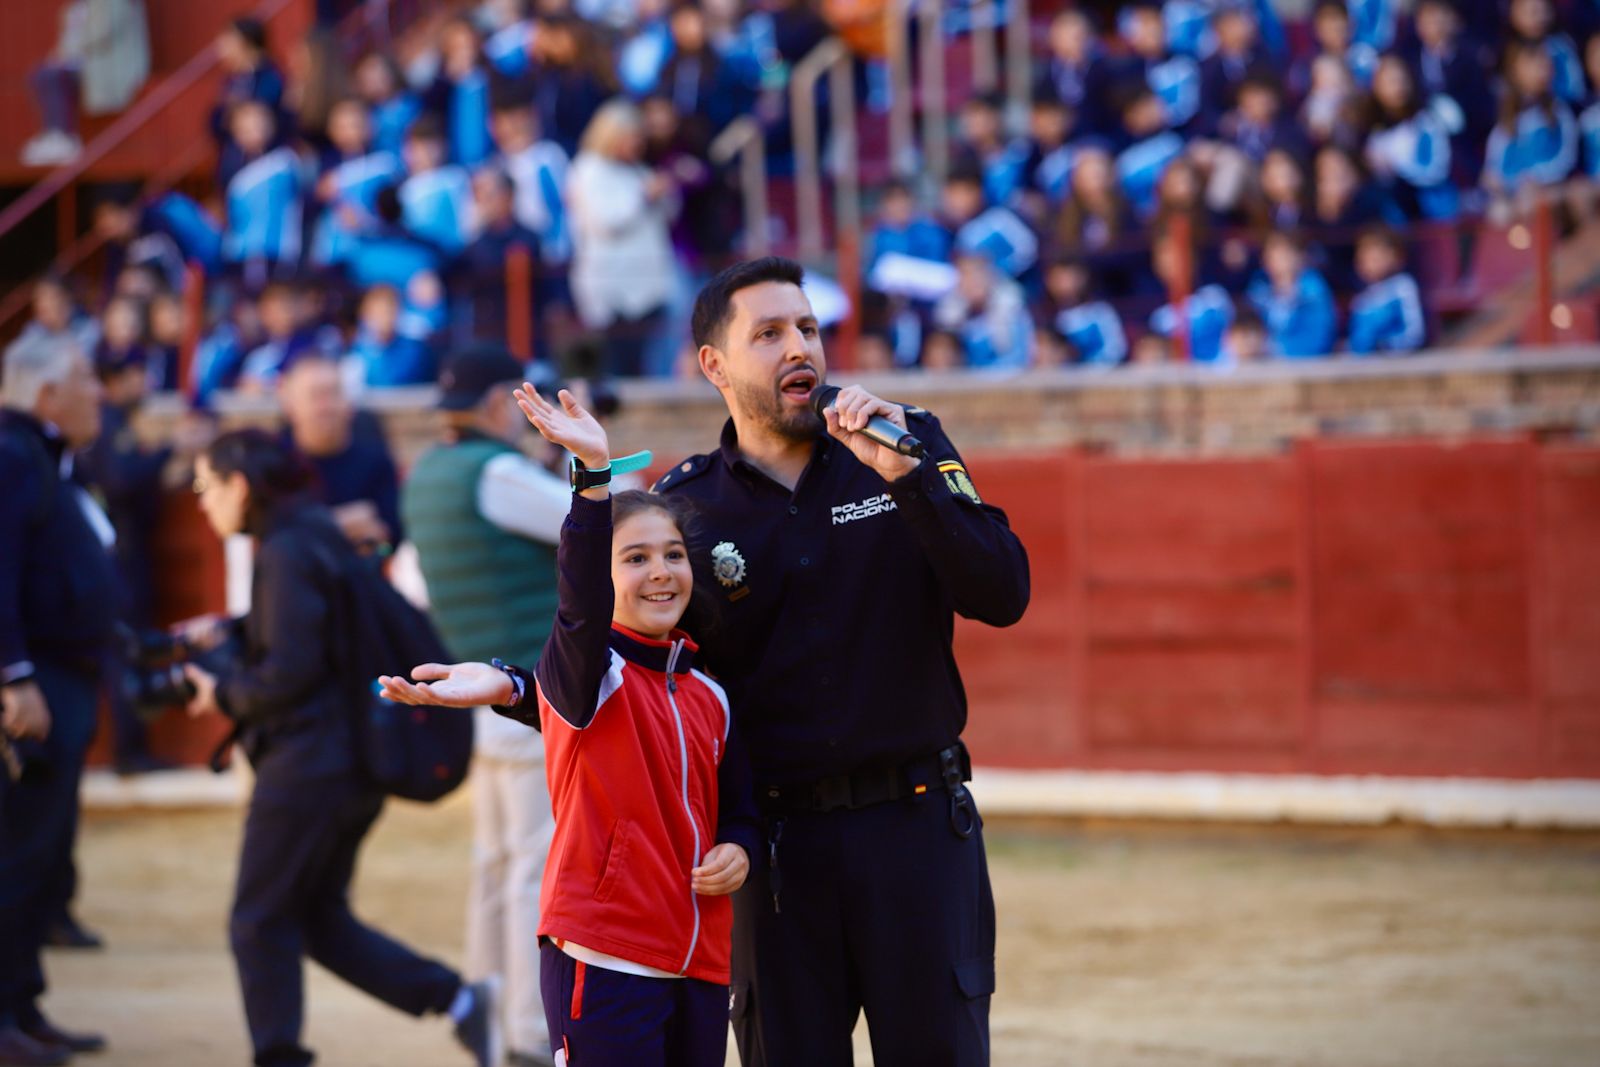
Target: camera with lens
{"x": 153, "y": 680}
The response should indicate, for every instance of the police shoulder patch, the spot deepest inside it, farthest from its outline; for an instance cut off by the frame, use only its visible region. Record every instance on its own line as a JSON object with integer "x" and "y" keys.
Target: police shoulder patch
{"x": 686, "y": 469}
{"x": 958, "y": 480}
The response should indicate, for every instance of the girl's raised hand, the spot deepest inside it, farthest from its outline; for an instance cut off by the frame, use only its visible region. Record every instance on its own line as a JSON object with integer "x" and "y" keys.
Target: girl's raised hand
{"x": 569, "y": 425}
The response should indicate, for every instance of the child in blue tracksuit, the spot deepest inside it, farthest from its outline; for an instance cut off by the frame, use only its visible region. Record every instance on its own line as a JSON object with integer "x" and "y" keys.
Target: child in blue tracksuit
{"x": 988, "y": 313}
{"x": 984, "y": 146}
{"x": 997, "y": 232}
{"x": 1387, "y": 317}
{"x": 263, "y": 197}
{"x": 1294, "y": 300}
{"x": 1536, "y": 140}
{"x": 1151, "y": 148}
{"x": 347, "y": 189}
{"x": 394, "y": 107}
{"x": 388, "y": 253}
{"x": 902, "y": 229}
{"x": 1534, "y": 22}
{"x": 537, "y": 167}
{"x": 1090, "y": 326}
{"x": 436, "y": 197}
{"x": 1204, "y": 315}
{"x": 1174, "y": 79}
{"x": 1409, "y": 147}
{"x": 384, "y": 354}
{"x": 459, "y": 95}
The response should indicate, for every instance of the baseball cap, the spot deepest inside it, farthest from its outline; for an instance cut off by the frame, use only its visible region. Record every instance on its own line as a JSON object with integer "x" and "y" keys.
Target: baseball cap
{"x": 472, "y": 372}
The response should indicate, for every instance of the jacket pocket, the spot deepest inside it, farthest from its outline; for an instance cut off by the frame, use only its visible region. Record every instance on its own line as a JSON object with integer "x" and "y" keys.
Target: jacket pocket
{"x": 975, "y": 977}
{"x": 616, "y": 860}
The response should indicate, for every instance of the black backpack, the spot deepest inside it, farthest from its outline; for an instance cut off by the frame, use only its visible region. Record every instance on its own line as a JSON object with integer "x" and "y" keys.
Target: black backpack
{"x": 413, "y": 752}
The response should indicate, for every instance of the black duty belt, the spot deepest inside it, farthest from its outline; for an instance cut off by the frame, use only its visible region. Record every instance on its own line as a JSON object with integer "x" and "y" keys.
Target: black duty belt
{"x": 944, "y": 770}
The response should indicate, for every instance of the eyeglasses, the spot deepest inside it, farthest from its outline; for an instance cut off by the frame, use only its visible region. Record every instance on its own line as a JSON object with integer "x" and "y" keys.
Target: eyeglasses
{"x": 200, "y": 485}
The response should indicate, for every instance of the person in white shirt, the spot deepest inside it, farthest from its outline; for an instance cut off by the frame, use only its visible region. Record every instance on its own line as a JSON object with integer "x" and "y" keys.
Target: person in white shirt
{"x": 623, "y": 268}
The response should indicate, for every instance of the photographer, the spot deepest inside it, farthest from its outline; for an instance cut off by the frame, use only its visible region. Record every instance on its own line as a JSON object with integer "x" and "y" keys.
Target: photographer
{"x": 311, "y": 808}
{"x": 56, "y": 583}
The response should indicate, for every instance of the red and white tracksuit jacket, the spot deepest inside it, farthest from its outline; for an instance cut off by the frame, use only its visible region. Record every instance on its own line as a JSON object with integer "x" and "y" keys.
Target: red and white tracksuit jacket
{"x": 642, "y": 782}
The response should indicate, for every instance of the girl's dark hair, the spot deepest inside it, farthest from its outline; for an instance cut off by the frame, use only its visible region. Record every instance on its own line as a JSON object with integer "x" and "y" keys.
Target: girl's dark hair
{"x": 274, "y": 471}
{"x": 1377, "y": 114}
{"x": 1512, "y": 100}
{"x": 630, "y": 502}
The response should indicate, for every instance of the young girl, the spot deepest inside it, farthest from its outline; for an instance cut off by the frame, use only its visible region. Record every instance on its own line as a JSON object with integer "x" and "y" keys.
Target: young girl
{"x": 1535, "y": 143}
{"x": 654, "y": 819}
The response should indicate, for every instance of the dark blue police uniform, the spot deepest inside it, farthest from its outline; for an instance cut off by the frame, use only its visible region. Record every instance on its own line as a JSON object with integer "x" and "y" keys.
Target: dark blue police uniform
{"x": 834, "y": 613}
{"x": 127, "y": 477}
{"x": 58, "y": 599}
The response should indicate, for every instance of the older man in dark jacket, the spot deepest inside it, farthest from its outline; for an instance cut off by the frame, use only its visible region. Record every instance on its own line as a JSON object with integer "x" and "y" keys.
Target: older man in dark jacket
{"x": 56, "y": 583}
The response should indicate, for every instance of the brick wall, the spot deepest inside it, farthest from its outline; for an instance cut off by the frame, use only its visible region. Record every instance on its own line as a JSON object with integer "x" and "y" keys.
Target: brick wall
{"x": 1164, "y": 411}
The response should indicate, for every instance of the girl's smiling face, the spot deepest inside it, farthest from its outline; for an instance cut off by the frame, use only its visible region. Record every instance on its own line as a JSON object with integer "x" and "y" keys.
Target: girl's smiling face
{"x": 650, "y": 573}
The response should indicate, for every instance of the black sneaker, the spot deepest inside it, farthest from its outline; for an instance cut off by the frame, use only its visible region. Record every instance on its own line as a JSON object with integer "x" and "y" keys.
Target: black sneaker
{"x": 47, "y": 1033}
{"x": 17, "y": 1049}
{"x": 67, "y": 932}
{"x": 479, "y": 1029}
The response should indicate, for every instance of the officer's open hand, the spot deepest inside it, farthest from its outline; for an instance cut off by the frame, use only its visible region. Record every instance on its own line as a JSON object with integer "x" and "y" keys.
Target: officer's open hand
{"x": 850, "y": 411}
{"x": 450, "y": 685}
{"x": 26, "y": 715}
{"x": 722, "y": 871}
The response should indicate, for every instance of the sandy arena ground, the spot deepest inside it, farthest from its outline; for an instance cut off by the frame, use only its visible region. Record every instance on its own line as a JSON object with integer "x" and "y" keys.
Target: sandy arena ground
{"x": 1120, "y": 945}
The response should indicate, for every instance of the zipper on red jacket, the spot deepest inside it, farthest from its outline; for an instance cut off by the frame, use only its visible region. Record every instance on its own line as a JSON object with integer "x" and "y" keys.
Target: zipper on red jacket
{"x": 683, "y": 765}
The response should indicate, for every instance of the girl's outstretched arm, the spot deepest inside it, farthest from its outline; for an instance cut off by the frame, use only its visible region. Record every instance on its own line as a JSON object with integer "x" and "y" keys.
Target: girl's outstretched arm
{"x": 577, "y": 661}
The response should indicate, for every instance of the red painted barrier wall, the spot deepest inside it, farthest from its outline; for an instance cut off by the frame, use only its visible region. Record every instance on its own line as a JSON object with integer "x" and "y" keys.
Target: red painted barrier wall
{"x": 1409, "y": 608}
{"x": 1391, "y": 608}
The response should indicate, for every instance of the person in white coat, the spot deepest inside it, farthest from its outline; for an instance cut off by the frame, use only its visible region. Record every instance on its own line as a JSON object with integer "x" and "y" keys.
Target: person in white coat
{"x": 100, "y": 61}
{"x": 623, "y": 268}
{"x": 487, "y": 521}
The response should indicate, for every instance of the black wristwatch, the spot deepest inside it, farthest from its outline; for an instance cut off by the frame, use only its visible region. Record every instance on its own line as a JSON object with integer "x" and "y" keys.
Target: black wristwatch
{"x": 518, "y": 690}
{"x": 584, "y": 478}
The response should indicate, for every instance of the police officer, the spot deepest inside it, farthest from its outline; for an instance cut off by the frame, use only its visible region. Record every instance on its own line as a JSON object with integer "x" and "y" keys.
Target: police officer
{"x": 837, "y": 566}
{"x": 56, "y": 583}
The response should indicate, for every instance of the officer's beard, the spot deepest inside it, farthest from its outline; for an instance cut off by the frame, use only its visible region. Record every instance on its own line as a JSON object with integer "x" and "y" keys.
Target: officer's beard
{"x": 764, "y": 406}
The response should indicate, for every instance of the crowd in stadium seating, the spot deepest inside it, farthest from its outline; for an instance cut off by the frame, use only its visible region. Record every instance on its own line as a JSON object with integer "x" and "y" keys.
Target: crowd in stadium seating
{"x": 1190, "y": 149}
{"x": 1196, "y": 179}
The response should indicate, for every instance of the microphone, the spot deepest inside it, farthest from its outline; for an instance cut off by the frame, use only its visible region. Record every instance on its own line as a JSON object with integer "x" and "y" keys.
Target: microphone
{"x": 877, "y": 429}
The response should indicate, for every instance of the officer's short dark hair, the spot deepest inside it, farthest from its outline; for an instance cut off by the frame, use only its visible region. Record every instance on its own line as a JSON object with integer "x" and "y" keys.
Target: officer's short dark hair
{"x": 714, "y": 306}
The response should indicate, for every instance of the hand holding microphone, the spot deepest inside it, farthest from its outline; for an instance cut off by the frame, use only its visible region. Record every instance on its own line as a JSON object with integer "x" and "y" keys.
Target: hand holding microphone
{"x": 868, "y": 426}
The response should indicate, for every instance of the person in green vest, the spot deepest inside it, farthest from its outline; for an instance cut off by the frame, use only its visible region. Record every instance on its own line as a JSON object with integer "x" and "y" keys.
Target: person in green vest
{"x": 485, "y": 519}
